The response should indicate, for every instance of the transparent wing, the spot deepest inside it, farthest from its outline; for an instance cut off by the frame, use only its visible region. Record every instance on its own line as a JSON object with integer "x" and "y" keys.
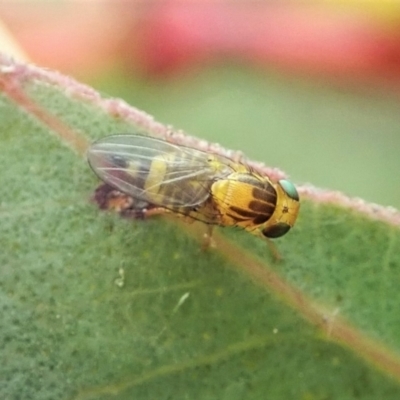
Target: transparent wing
{"x": 156, "y": 171}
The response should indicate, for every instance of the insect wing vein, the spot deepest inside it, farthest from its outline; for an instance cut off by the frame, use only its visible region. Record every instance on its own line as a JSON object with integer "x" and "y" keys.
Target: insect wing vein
{"x": 154, "y": 170}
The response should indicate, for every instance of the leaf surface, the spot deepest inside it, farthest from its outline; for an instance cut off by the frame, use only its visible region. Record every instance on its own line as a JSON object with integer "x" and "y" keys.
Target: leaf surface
{"x": 99, "y": 307}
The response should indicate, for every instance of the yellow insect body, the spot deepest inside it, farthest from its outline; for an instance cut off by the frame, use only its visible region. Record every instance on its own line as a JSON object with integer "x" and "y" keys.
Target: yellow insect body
{"x": 199, "y": 185}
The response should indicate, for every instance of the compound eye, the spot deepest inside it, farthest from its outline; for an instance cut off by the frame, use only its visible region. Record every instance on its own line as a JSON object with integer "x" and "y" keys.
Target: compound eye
{"x": 289, "y": 189}
{"x": 276, "y": 230}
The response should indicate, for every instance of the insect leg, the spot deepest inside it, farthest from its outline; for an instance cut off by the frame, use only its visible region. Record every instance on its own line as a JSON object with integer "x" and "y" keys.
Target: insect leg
{"x": 207, "y": 238}
{"x": 151, "y": 212}
{"x": 271, "y": 245}
{"x": 274, "y": 250}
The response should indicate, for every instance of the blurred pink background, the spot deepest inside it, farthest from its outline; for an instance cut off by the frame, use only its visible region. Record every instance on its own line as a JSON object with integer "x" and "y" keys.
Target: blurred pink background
{"x": 331, "y": 39}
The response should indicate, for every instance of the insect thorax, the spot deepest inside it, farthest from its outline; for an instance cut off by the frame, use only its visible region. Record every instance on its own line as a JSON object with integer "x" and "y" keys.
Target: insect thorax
{"x": 244, "y": 199}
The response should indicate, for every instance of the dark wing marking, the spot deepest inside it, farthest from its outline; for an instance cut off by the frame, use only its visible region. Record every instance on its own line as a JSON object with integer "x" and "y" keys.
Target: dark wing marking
{"x": 156, "y": 171}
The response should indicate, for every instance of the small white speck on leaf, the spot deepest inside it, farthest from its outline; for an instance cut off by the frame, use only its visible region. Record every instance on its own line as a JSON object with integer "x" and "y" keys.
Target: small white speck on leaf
{"x": 183, "y": 298}
{"x": 120, "y": 281}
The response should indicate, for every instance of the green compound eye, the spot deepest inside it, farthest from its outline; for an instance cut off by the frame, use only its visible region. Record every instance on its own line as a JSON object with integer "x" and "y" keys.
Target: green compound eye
{"x": 289, "y": 189}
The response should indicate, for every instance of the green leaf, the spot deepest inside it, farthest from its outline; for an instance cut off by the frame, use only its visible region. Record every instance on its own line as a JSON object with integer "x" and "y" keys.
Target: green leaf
{"x": 94, "y": 306}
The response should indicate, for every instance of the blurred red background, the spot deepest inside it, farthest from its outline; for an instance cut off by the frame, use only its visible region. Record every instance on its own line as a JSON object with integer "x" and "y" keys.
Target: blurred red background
{"x": 332, "y": 39}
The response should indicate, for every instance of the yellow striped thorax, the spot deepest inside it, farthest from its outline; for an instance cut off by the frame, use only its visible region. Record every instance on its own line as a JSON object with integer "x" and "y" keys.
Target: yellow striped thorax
{"x": 200, "y": 185}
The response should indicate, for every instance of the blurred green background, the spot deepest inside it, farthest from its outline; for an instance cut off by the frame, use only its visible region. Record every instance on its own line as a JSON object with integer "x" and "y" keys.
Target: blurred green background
{"x": 331, "y": 136}
{"x": 309, "y": 87}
